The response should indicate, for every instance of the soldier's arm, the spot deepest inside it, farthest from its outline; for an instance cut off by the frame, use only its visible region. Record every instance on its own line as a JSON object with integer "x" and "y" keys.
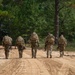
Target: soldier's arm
{"x": 65, "y": 42}
{"x": 37, "y": 42}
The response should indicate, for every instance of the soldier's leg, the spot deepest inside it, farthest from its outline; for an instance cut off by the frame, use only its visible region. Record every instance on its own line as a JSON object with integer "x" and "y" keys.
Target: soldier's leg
{"x": 6, "y": 52}
{"x": 32, "y": 53}
{"x": 20, "y": 54}
{"x": 35, "y": 52}
{"x": 61, "y": 53}
{"x": 6, "y": 56}
{"x": 63, "y": 50}
{"x": 20, "y": 49}
{"x": 51, "y": 52}
{"x": 60, "y": 48}
{"x": 47, "y": 53}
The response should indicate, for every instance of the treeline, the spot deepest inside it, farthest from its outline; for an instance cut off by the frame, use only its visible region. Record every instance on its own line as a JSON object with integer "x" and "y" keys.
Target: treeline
{"x": 22, "y": 17}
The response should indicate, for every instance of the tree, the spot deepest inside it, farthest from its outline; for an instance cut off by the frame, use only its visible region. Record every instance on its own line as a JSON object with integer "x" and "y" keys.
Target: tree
{"x": 56, "y": 20}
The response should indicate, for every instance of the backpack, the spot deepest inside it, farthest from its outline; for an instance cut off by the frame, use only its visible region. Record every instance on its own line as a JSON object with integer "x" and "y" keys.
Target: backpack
{"x": 34, "y": 38}
{"x": 62, "y": 41}
{"x": 6, "y": 40}
{"x": 51, "y": 40}
{"x": 20, "y": 41}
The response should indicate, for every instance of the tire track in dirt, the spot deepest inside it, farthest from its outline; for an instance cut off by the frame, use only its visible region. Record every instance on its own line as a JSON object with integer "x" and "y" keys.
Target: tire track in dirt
{"x": 51, "y": 65}
{"x": 9, "y": 67}
{"x": 39, "y": 66}
{"x": 56, "y": 67}
{"x": 60, "y": 66}
{"x": 23, "y": 68}
{"x": 68, "y": 67}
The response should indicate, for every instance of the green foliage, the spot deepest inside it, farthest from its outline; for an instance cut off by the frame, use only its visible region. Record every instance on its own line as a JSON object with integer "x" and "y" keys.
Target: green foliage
{"x": 22, "y": 17}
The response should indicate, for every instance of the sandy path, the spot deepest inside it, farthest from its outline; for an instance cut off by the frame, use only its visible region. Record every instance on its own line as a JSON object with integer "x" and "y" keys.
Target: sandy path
{"x": 39, "y": 66}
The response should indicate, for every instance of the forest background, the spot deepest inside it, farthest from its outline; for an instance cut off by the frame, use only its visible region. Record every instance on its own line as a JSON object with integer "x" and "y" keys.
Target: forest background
{"x": 22, "y": 17}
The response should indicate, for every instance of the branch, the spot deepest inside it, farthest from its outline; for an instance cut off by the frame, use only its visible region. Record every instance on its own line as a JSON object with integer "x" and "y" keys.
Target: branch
{"x": 64, "y": 6}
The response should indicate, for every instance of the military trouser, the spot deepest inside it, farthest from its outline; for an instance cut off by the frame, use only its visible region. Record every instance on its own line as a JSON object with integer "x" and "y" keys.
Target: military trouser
{"x": 61, "y": 48}
{"x": 61, "y": 53}
{"x": 20, "y": 53}
{"x": 34, "y": 46}
{"x": 34, "y": 51}
{"x": 7, "y": 51}
{"x": 48, "y": 47}
{"x": 20, "y": 50}
{"x": 49, "y": 52}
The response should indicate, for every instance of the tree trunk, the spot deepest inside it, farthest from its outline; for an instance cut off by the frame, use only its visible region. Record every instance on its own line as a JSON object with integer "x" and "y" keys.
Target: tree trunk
{"x": 56, "y": 21}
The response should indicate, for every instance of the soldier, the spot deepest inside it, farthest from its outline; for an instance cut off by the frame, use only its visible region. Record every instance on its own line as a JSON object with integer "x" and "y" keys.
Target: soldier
{"x": 62, "y": 42}
{"x": 34, "y": 40}
{"x": 20, "y": 45}
{"x": 6, "y": 42}
{"x": 47, "y": 39}
{"x": 49, "y": 44}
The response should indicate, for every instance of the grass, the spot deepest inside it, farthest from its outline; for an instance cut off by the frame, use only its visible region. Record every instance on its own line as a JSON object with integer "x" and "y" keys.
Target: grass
{"x": 69, "y": 47}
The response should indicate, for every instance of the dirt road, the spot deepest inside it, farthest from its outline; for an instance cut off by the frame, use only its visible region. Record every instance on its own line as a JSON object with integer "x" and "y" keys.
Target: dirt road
{"x": 39, "y": 66}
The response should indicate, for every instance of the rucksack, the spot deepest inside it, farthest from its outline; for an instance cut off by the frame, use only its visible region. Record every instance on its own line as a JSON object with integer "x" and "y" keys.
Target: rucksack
{"x": 34, "y": 38}
{"x": 62, "y": 41}
{"x": 20, "y": 41}
{"x": 6, "y": 40}
{"x": 51, "y": 40}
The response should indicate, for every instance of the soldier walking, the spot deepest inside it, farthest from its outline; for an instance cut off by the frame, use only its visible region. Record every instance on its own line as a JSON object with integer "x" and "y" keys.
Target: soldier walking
{"x": 7, "y": 43}
{"x": 49, "y": 42}
{"x": 34, "y": 41}
{"x": 62, "y": 42}
{"x": 20, "y": 45}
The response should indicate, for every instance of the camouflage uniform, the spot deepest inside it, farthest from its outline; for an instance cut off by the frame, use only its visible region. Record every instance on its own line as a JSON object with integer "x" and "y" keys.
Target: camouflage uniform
{"x": 10, "y": 43}
{"x": 20, "y": 45}
{"x": 49, "y": 44}
{"x": 34, "y": 40}
{"x": 6, "y": 42}
{"x": 62, "y": 42}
